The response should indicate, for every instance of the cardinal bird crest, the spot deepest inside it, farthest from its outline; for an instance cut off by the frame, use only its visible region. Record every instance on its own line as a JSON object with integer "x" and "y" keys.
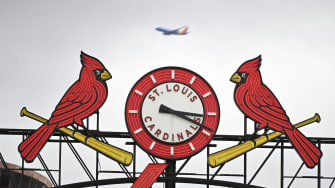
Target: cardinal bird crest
{"x": 90, "y": 62}
{"x": 251, "y": 65}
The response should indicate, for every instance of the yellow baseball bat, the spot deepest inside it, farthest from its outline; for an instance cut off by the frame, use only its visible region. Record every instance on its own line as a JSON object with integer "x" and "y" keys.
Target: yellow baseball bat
{"x": 113, "y": 152}
{"x": 228, "y": 154}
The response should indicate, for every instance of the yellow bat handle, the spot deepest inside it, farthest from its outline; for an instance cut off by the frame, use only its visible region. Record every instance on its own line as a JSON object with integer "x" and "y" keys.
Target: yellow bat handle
{"x": 113, "y": 152}
{"x": 225, "y": 155}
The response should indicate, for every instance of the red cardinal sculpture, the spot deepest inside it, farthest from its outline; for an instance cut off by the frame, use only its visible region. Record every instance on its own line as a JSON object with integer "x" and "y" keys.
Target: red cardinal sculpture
{"x": 257, "y": 102}
{"x": 81, "y": 100}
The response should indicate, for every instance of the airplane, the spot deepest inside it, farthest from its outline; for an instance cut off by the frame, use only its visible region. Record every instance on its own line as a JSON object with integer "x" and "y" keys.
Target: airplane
{"x": 179, "y": 31}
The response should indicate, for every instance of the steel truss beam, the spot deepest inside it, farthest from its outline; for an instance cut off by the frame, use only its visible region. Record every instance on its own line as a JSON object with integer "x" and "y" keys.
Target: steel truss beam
{"x": 177, "y": 177}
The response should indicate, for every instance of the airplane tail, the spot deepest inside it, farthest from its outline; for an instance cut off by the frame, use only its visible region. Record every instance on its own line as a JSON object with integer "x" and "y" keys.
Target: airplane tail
{"x": 183, "y": 31}
{"x": 309, "y": 153}
{"x": 31, "y": 146}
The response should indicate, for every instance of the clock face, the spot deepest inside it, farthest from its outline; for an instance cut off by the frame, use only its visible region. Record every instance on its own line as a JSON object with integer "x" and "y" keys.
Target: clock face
{"x": 171, "y": 128}
{"x": 172, "y": 113}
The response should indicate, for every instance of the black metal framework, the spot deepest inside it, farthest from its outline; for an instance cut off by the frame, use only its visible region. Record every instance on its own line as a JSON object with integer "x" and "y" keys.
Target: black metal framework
{"x": 173, "y": 174}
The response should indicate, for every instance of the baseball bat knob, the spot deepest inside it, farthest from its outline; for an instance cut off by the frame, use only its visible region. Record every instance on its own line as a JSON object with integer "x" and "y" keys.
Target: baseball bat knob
{"x": 317, "y": 117}
{"x": 23, "y": 111}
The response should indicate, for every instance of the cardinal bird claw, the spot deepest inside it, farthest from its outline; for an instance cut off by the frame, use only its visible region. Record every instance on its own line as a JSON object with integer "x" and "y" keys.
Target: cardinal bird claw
{"x": 78, "y": 122}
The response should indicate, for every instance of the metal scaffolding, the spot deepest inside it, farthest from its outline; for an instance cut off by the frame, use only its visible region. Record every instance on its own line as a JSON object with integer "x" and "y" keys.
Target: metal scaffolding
{"x": 172, "y": 174}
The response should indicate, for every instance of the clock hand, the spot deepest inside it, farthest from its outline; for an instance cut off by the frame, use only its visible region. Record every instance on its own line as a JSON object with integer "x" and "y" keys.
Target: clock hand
{"x": 165, "y": 109}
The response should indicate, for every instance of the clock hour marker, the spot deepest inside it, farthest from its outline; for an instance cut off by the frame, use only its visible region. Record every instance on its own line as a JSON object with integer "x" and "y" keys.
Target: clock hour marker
{"x": 206, "y": 94}
{"x": 211, "y": 113}
{"x": 191, "y": 146}
{"x": 172, "y": 150}
{"x": 172, "y": 74}
{"x": 192, "y": 80}
{"x": 138, "y": 130}
{"x": 133, "y": 111}
{"x": 152, "y": 145}
{"x": 206, "y": 133}
{"x": 153, "y": 79}
{"x": 138, "y": 92}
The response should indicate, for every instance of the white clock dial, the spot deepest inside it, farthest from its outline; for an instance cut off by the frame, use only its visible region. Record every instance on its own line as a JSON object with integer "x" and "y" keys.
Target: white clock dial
{"x": 167, "y": 127}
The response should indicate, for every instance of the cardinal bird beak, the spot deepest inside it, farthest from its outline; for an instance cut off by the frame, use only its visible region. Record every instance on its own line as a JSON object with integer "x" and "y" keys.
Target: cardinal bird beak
{"x": 105, "y": 75}
{"x": 236, "y": 78}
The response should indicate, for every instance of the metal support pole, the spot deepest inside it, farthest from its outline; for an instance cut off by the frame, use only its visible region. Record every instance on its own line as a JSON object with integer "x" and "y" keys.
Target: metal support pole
{"x": 281, "y": 163}
{"x": 152, "y": 158}
{"x": 170, "y": 173}
{"x": 60, "y": 161}
{"x": 183, "y": 165}
{"x": 52, "y": 179}
{"x": 255, "y": 126}
{"x": 217, "y": 171}
{"x": 3, "y": 162}
{"x": 296, "y": 174}
{"x": 319, "y": 167}
{"x": 80, "y": 160}
{"x": 125, "y": 170}
{"x": 134, "y": 161}
{"x": 22, "y": 161}
{"x": 207, "y": 165}
{"x": 331, "y": 184}
{"x": 263, "y": 163}
{"x": 245, "y": 154}
{"x": 97, "y": 153}
{"x": 245, "y": 168}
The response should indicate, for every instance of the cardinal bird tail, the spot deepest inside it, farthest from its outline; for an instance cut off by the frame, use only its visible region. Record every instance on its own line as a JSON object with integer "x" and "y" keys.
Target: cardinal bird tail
{"x": 309, "y": 153}
{"x": 31, "y": 146}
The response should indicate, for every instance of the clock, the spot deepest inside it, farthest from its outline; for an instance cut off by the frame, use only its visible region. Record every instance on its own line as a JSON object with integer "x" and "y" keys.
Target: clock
{"x": 172, "y": 112}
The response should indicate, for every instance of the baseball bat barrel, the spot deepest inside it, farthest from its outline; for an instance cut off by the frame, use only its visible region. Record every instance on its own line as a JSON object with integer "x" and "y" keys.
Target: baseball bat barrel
{"x": 228, "y": 154}
{"x": 113, "y": 152}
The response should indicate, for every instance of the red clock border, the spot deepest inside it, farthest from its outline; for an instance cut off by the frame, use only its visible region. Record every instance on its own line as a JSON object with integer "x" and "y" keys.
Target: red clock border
{"x": 144, "y": 139}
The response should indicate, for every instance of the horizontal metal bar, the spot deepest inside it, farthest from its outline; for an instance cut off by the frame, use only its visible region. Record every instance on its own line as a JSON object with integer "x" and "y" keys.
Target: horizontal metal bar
{"x": 277, "y": 147}
{"x": 161, "y": 179}
{"x": 182, "y": 173}
{"x": 131, "y": 143}
{"x": 63, "y": 141}
{"x": 109, "y": 134}
{"x": 33, "y": 169}
{"x": 322, "y": 177}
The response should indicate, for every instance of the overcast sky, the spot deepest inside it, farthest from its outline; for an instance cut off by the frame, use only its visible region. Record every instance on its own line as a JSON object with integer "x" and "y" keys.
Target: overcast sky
{"x": 40, "y": 44}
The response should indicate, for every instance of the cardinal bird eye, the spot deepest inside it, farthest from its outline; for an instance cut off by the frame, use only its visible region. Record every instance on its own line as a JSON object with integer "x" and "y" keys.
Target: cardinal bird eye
{"x": 244, "y": 75}
{"x": 97, "y": 72}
